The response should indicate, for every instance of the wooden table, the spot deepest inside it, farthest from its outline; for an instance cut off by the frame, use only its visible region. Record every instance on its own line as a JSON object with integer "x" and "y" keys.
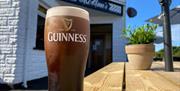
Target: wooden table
{"x": 109, "y": 78}
{"x": 114, "y": 78}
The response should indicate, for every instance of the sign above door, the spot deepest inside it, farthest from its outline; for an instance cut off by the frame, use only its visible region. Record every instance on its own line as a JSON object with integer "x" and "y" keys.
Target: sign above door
{"x": 109, "y": 6}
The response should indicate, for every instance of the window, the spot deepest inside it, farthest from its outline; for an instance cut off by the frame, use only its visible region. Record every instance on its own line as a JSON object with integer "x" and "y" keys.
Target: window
{"x": 40, "y": 28}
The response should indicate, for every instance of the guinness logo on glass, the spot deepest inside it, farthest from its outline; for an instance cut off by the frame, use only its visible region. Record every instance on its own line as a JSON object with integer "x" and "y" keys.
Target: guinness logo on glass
{"x": 67, "y": 34}
{"x": 68, "y": 24}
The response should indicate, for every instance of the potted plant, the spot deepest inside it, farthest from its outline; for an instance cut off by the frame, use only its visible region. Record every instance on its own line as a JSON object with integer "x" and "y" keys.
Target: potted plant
{"x": 140, "y": 48}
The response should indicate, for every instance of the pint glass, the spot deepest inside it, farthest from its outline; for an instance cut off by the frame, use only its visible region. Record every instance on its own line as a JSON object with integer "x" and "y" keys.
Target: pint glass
{"x": 67, "y": 36}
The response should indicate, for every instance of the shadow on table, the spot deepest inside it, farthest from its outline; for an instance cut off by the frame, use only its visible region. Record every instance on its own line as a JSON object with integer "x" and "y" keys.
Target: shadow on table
{"x": 163, "y": 69}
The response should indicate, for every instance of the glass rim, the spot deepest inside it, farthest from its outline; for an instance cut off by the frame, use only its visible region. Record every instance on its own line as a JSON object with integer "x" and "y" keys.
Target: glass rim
{"x": 67, "y": 11}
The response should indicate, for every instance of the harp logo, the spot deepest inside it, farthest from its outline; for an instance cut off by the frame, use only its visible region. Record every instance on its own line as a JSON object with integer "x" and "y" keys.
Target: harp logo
{"x": 67, "y": 24}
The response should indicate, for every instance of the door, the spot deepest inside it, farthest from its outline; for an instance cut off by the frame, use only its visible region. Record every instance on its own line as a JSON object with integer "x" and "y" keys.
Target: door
{"x": 100, "y": 53}
{"x": 97, "y": 55}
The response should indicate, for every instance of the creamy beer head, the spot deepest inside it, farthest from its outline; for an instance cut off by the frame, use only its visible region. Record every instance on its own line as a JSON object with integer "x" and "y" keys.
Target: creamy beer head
{"x": 67, "y": 11}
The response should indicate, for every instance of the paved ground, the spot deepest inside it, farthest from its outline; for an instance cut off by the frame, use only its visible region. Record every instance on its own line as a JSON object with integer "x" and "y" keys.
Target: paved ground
{"x": 34, "y": 85}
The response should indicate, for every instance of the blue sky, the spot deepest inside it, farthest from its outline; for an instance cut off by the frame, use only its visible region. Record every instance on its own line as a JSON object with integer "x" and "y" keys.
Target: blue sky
{"x": 147, "y": 9}
{"x": 175, "y": 36}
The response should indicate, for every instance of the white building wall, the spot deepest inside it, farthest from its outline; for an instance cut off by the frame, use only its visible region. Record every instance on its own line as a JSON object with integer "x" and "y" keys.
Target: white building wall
{"x": 35, "y": 59}
{"x": 118, "y": 41}
{"x": 18, "y": 61}
{"x": 11, "y": 42}
{"x": 34, "y": 63}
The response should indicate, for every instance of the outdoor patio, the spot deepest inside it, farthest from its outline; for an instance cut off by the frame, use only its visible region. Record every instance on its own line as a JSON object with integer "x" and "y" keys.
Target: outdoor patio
{"x": 116, "y": 77}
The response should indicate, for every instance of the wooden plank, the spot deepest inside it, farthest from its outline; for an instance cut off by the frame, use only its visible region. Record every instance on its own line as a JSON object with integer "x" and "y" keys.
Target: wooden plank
{"x": 109, "y": 78}
{"x": 149, "y": 81}
{"x": 174, "y": 77}
{"x": 156, "y": 80}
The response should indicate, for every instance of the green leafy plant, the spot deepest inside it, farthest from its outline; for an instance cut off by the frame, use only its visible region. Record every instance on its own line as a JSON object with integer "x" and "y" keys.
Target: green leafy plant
{"x": 141, "y": 35}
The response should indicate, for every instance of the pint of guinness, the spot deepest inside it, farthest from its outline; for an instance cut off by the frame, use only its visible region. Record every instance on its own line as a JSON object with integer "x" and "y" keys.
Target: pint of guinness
{"x": 67, "y": 36}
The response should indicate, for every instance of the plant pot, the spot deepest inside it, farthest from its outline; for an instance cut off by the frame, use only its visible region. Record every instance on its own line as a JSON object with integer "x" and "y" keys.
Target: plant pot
{"x": 140, "y": 56}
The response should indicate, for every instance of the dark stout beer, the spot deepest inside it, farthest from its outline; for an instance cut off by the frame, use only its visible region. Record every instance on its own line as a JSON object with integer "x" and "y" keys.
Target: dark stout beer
{"x": 67, "y": 36}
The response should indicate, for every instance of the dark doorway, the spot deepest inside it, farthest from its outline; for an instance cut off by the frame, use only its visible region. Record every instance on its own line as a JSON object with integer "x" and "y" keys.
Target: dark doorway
{"x": 97, "y": 51}
{"x": 100, "y": 47}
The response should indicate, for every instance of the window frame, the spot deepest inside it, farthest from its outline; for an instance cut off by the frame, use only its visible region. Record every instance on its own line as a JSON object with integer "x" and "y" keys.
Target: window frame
{"x": 41, "y": 14}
